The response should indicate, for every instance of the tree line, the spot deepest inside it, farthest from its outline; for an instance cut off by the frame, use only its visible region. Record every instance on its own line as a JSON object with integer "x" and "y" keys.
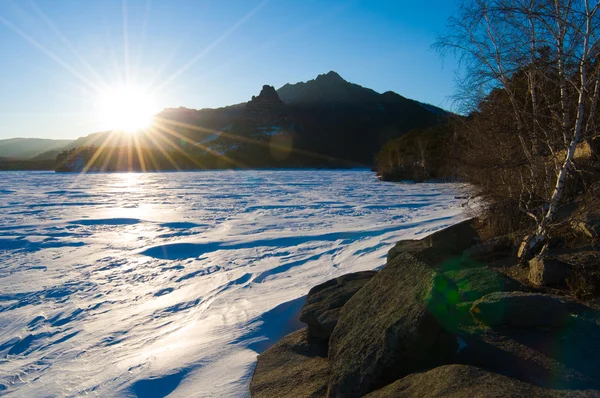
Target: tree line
{"x": 529, "y": 140}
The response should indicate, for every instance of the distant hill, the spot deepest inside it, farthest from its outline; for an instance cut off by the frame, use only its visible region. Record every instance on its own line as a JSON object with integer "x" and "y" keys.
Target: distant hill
{"x": 324, "y": 122}
{"x": 27, "y": 148}
{"x": 177, "y": 128}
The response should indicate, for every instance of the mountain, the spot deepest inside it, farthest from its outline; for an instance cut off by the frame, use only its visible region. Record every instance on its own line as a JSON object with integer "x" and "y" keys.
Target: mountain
{"x": 324, "y": 122}
{"x": 263, "y": 136}
{"x": 176, "y": 128}
{"x": 346, "y": 121}
{"x": 26, "y": 148}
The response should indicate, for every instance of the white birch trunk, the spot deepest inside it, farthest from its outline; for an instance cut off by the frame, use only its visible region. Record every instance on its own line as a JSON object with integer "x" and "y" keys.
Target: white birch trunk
{"x": 532, "y": 243}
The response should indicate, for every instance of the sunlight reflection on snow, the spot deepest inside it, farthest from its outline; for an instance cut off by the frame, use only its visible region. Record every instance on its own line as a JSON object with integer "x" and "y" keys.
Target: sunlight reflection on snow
{"x": 113, "y": 284}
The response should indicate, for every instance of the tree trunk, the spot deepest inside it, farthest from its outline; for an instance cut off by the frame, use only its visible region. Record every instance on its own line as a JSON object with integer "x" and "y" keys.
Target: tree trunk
{"x": 532, "y": 244}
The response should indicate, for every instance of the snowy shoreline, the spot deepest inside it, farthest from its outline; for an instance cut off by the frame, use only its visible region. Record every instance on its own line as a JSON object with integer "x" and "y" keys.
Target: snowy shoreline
{"x": 136, "y": 284}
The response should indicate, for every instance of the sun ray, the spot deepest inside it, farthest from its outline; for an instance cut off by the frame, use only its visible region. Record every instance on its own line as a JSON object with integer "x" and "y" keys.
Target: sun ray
{"x": 49, "y": 53}
{"x": 130, "y": 154}
{"x": 117, "y": 70}
{"x": 139, "y": 153}
{"x": 187, "y": 140}
{"x": 204, "y": 129}
{"x": 125, "y": 42}
{"x": 167, "y": 61}
{"x": 103, "y": 145}
{"x": 215, "y": 43}
{"x": 150, "y": 154}
{"x": 198, "y": 145}
{"x": 66, "y": 42}
{"x": 274, "y": 40}
{"x": 140, "y": 51}
{"x": 98, "y": 152}
{"x": 111, "y": 150}
{"x": 159, "y": 147}
{"x": 177, "y": 149}
{"x": 247, "y": 139}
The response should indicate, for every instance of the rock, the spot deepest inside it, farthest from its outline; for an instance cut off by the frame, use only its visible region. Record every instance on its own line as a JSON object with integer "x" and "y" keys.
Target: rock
{"x": 521, "y": 309}
{"x": 565, "y": 358}
{"x": 391, "y": 327}
{"x": 488, "y": 250}
{"x": 294, "y": 367}
{"x": 463, "y": 313}
{"x": 583, "y": 151}
{"x": 266, "y": 108}
{"x": 412, "y": 246}
{"x": 590, "y": 226}
{"x": 457, "y": 381}
{"x": 548, "y": 271}
{"x": 439, "y": 247}
{"x": 475, "y": 283}
{"x": 264, "y": 116}
{"x": 324, "y": 302}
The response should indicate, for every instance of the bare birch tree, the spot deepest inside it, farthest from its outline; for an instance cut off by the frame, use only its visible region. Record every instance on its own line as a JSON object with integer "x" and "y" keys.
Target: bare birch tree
{"x": 541, "y": 55}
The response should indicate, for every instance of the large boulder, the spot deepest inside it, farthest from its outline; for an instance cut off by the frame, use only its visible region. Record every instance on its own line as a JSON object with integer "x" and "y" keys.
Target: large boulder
{"x": 489, "y": 250}
{"x": 458, "y": 381}
{"x": 548, "y": 271}
{"x": 440, "y": 247}
{"x": 520, "y": 309}
{"x": 324, "y": 302}
{"x": 475, "y": 283}
{"x": 564, "y": 358}
{"x": 391, "y": 327}
{"x": 294, "y": 367}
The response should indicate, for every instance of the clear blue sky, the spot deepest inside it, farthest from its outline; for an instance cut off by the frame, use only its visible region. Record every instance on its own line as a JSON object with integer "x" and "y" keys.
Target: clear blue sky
{"x": 206, "y": 53}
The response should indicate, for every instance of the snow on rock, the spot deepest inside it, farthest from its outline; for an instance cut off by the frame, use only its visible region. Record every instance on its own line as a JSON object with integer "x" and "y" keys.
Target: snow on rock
{"x": 172, "y": 283}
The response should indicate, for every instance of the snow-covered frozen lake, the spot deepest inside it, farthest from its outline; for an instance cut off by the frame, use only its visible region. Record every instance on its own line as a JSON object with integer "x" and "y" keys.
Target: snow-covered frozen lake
{"x": 171, "y": 283}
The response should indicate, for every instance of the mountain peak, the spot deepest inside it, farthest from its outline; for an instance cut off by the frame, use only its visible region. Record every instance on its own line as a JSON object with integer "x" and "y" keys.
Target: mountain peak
{"x": 264, "y": 110}
{"x": 268, "y": 95}
{"x": 330, "y": 76}
{"x": 268, "y": 92}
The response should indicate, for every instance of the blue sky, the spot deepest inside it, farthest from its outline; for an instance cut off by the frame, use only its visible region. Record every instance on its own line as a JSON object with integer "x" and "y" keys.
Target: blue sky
{"x": 55, "y": 54}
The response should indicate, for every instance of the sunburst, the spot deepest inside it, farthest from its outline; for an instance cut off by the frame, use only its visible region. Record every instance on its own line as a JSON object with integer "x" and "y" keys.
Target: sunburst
{"x": 127, "y": 108}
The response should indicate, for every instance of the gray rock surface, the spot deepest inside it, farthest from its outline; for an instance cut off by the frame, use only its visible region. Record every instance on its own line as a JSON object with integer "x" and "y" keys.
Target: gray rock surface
{"x": 564, "y": 358}
{"x": 391, "y": 327}
{"x": 459, "y": 381}
{"x": 440, "y": 249}
{"x": 294, "y": 367}
{"x": 548, "y": 271}
{"x": 519, "y": 309}
{"x": 324, "y": 302}
{"x": 488, "y": 250}
{"x": 475, "y": 283}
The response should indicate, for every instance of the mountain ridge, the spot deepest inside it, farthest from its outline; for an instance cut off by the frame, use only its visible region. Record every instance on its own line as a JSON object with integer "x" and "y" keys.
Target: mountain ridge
{"x": 324, "y": 118}
{"x": 27, "y": 148}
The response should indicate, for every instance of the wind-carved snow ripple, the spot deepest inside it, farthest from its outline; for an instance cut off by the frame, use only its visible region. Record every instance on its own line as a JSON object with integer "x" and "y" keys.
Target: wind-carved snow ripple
{"x": 131, "y": 284}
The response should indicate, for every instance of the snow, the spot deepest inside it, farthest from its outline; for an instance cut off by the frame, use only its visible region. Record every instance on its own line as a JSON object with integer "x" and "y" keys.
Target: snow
{"x": 172, "y": 283}
{"x": 210, "y": 138}
{"x": 274, "y": 130}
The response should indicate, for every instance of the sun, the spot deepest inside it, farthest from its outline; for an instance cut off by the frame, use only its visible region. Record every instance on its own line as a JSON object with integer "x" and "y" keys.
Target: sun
{"x": 125, "y": 108}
